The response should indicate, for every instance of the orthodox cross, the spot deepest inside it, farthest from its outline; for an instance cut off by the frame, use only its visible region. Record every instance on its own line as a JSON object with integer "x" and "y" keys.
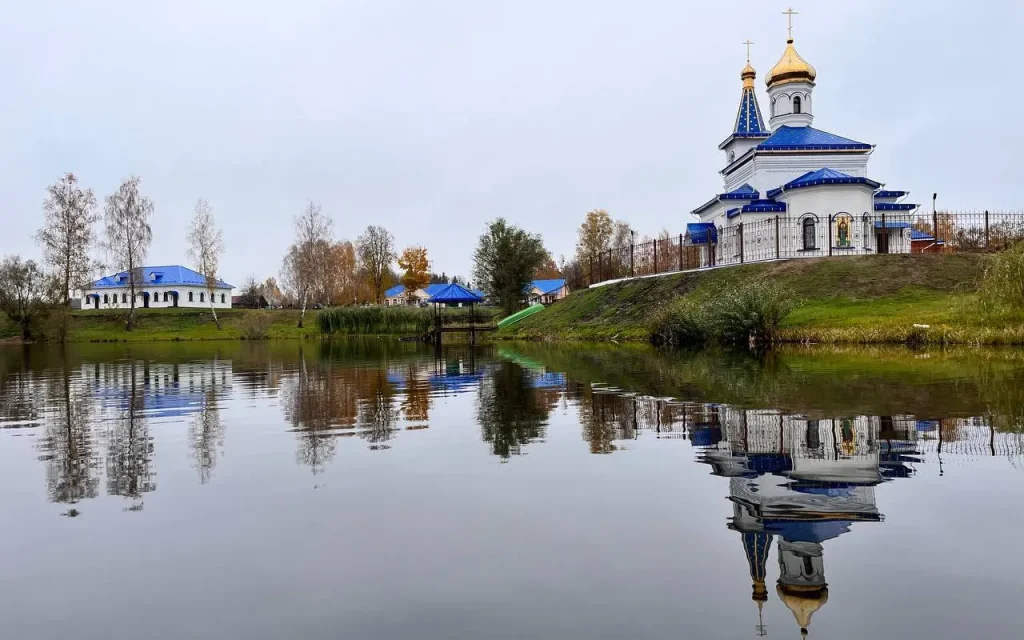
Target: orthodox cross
{"x": 790, "y": 13}
{"x": 748, "y": 43}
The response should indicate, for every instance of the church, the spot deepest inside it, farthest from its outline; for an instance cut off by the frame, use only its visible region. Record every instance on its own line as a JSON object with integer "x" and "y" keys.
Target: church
{"x": 792, "y": 190}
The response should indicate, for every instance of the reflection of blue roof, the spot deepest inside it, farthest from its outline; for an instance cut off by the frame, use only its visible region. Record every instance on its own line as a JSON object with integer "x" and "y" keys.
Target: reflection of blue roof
{"x": 824, "y": 176}
{"x": 158, "y": 276}
{"x": 927, "y": 425}
{"x": 803, "y": 531}
{"x": 706, "y": 437}
{"x": 788, "y": 138}
{"x": 549, "y": 380}
{"x": 769, "y": 462}
{"x": 455, "y": 382}
{"x": 455, "y": 293}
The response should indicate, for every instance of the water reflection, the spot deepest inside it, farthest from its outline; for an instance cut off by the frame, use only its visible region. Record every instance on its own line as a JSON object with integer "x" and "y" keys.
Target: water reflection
{"x": 802, "y": 440}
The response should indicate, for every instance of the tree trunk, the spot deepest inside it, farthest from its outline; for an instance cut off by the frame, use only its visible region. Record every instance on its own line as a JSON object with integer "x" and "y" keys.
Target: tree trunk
{"x": 302, "y": 314}
{"x": 26, "y": 330}
{"x": 131, "y": 308}
{"x": 214, "y": 311}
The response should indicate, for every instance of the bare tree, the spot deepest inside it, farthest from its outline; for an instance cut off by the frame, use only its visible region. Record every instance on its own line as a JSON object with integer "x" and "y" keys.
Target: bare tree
{"x": 23, "y": 292}
{"x": 377, "y": 252}
{"x": 206, "y": 244}
{"x": 67, "y": 234}
{"x": 129, "y": 235}
{"x": 301, "y": 268}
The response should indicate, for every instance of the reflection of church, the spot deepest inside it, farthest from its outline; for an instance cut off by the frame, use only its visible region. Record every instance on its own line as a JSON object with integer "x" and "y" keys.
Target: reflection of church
{"x": 798, "y": 483}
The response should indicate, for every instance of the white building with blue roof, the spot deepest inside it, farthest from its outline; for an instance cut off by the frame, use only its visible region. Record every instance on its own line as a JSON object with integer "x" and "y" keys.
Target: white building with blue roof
{"x": 815, "y": 182}
{"x": 157, "y": 287}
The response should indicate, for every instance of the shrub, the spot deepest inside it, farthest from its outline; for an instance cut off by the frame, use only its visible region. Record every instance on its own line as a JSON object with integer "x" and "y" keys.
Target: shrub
{"x": 255, "y": 325}
{"x": 1002, "y": 285}
{"x": 738, "y": 314}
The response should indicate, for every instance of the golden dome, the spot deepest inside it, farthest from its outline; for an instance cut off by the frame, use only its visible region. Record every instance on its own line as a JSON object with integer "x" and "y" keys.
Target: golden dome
{"x": 747, "y": 75}
{"x": 803, "y": 602}
{"x": 791, "y": 68}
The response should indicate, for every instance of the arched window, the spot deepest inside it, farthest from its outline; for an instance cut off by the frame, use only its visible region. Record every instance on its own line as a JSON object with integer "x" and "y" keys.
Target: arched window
{"x": 797, "y": 104}
{"x": 222, "y": 298}
{"x": 124, "y": 297}
{"x": 190, "y": 296}
{"x": 809, "y": 234}
{"x": 106, "y": 299}
{"x": 732, "y": 156}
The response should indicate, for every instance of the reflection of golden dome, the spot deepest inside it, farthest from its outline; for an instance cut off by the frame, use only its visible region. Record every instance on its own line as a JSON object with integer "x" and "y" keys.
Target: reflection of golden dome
{"x": 747, "y": 75}
{"x": 791, "y": 68}
{"x": 803, "y": 602}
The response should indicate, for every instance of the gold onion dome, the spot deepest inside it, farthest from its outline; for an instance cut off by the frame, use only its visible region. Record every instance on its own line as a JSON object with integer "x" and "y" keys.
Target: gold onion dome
{"x": 791, "y": 68}
{"x": 803, "y": 602}
{"x": 747, "y": 75}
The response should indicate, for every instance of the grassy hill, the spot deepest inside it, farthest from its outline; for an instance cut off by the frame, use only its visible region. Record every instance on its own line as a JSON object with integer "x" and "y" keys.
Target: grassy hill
{"x": 851, "y": 299}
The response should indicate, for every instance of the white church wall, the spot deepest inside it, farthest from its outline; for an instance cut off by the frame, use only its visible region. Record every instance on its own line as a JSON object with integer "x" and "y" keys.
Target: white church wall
{"x": 767, "y": 172}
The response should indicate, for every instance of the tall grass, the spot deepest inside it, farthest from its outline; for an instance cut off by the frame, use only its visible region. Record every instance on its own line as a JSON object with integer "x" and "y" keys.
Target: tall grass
{"x": 384, "y": 320}
{"x": 1002, "y": 285}
{"x": 739, "y": 314}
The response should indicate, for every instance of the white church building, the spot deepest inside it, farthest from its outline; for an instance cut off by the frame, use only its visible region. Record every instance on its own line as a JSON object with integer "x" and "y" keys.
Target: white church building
{"x": 157, "y": 287}
{"x": 792, "y": 190}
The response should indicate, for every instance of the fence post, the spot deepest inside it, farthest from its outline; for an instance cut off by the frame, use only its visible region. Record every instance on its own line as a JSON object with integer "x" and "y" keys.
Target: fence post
{"x": 935, "y": 226}
{"x": 885, "y": 230}
{"x": 632, "y": 251}
{"x": 828, "y": 238}
{"x": 680, "y": 252}
{"x": 777, "y": 243}
{"x": 986, "y": 230}
{"x": 655, "y": 255}
{"x": 739, "y": 228}
{"x": 707, "y": 241}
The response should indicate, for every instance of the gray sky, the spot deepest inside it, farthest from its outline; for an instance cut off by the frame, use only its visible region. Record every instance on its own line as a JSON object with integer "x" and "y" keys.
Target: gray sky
{"x": 432, "y": 117}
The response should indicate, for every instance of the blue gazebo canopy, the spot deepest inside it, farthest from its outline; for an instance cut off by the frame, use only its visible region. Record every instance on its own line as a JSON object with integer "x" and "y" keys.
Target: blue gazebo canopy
{"x": 455, "y": 293}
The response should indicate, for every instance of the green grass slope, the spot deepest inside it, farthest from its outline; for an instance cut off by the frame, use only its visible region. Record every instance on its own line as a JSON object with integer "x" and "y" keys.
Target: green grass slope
{"x": 848, "y": 299}
{"x": 182, "y": 324}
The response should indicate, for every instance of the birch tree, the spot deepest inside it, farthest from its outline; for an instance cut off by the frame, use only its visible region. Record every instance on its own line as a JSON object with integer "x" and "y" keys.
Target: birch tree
{"x": 301, "y": 268}
{"x": 377, "y": 252}
{"x": 129, "y": 235}
{"x": 67, "y": 235}
{"x": 205, "y": 246}
{"x": 23, "y": 292}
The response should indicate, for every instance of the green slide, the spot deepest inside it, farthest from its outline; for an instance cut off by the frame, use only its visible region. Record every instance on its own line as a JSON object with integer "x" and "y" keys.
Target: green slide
{"x": 519, "y": 315}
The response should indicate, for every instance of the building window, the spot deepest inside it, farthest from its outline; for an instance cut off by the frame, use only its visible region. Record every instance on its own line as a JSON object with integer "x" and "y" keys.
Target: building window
{"x": 222, "y": 298}
{"x": 124, "y": 298}
{"x": 106, "y": 299}
{"x": 809, "y": 234}
{"x": 797, "y": 104}
{"x": 190, "y": 296}
{"x": 202, "y": 297}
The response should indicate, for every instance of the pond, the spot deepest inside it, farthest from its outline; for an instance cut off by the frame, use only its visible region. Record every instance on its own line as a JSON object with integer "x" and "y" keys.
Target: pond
{"x": 377, "y": 489}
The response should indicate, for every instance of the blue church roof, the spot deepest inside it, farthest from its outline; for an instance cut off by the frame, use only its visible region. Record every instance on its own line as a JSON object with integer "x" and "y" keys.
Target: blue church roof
{"x": 749, "y": 122}
{"x": 883, "y": 193}
{"x": 822, "y": 177}
{"x": 788, "y": 138}
{"x": 892, "y": 206}
{"x": 742, "y": 192}
{"x": 764, "y": 206}
{"x": 158, "y": 276}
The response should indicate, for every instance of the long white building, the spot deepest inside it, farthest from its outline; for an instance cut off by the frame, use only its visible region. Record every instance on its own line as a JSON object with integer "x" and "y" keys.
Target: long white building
{"x": 156, "y": 287}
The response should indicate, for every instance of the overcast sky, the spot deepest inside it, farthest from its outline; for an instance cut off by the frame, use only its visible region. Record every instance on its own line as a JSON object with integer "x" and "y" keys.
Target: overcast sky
{"x": 432, "y": 117}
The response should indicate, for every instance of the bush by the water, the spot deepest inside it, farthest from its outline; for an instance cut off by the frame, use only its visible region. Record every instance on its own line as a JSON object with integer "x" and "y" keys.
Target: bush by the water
{"x": 256, "y": 325}
{"x": 739, "y": 314}
{"x": 383, "y": 320}
{"x": 1002, "y": 285}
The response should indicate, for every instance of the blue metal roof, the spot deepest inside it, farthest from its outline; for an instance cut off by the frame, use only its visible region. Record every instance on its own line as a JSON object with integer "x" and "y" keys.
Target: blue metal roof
{"x": 455, "y": 293}
{"x": 430, "y": 290}
{"x": 395, "y": 291}
{"x": 821, "y": 177}
{"x": 764, "y": 206}
{"x": 743, "y": 192}
{"x": 892, "y": 206}
{"x": 547, "y": 286}
{"x": 700, "y": 232}
{"x": 732, "y": 213}
{"x": 158, "y": 276}
{"x": 788, "y": 138}
{"x": 890, "y": 194}
{"x": 748, "y": 117}
{"x": 917, "y": 234}
{"x": 893, "y": 225}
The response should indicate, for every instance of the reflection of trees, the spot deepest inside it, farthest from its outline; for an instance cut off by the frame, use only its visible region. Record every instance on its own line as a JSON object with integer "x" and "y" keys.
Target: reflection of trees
{"x": 130, "y": 448}
{"x": 605, "y": 418}
{"x": 206, "y": 435}
{"x": 511, "y": 412}
{"x": 416, "y": 401}
{"x": 377, "y": 412}
{"x": 71, "y": 461}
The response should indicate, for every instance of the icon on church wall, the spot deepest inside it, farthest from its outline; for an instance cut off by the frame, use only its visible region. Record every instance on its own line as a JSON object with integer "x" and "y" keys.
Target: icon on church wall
{"x": 843, "y": 231}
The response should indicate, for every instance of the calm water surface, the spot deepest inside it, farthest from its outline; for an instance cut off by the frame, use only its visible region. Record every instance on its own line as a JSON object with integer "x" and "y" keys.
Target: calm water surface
{"x": 381, "y": 490}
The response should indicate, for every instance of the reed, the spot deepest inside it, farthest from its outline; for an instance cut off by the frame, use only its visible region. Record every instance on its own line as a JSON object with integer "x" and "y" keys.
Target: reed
{"x": 368, "y": 321}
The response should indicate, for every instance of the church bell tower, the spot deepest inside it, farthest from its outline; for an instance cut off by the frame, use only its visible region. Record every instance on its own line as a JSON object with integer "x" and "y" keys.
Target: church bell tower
{"x": 790, "y": 84}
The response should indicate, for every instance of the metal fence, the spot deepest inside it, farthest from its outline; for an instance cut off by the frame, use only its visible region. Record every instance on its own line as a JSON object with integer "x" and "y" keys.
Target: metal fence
{"x": 806, "y": 236}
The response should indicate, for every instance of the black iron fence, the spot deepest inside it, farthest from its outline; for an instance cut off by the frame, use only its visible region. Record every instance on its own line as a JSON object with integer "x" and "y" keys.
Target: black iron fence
{"x": 807, "y": 236}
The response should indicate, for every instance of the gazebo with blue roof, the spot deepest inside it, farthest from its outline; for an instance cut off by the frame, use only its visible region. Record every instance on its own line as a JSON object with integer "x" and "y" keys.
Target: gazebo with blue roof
{"x": 457, "y": 295}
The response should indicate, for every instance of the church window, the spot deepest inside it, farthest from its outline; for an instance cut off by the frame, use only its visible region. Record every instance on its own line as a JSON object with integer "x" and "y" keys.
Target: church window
{"x": 809, "y": 234}
{"x": 124, "y": 297}
{"x": 202, "y": 297}
{"x": 796, "y": 104}
{"x": 732, "y": 156}
{"x": 106, "y": 299}
{"x": 222, "y": 298}
{"x": 190, "y": 296}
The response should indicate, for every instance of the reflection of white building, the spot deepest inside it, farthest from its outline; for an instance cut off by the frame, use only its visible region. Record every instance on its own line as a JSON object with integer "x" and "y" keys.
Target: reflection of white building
{"x": 160, "y": 389}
